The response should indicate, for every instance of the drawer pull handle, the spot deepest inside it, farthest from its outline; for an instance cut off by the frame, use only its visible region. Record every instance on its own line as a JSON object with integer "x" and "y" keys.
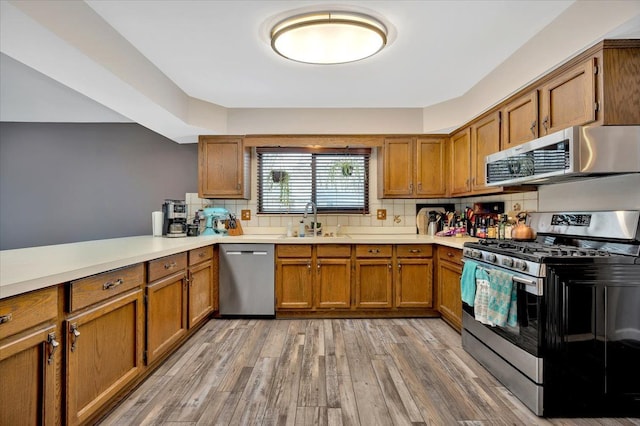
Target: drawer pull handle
{"x": 201, "y": 254}
{"x": 449, "y": 254}
{"x": 73, "y": 330}
{"x": 5, "y": 318}
{"x": 53, "y": 346}
{"x": 415, "y": 251}
{"x": 170, "y": 265}
{"x": 374, "y": 250}
{"x": 112, "y": 284}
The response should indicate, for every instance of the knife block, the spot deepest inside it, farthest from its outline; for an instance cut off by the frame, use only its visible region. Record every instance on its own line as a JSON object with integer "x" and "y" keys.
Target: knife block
{"x": 237, "y": 230}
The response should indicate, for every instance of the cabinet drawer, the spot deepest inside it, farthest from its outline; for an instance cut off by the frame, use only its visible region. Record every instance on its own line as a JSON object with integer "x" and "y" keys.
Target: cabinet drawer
{"x": 373, "y": 250}
{"x": 165, "y": 266}
{"x": 21, "y": 312}
{"x": 414, "y": 250}
{"x": 96, "y": 288}
{"x": 293, "y": 250}
{"x": 450, "y": 254}
{"x": 333, "y": 250}
{"x": 200, "y": 255}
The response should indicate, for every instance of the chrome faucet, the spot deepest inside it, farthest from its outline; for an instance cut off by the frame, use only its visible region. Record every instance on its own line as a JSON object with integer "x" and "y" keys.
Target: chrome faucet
{"x": 315, "y": 216}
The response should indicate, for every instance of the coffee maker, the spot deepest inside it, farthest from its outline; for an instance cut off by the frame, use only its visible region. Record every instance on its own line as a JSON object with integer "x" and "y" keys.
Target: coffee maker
{"x": 175, "y": 218}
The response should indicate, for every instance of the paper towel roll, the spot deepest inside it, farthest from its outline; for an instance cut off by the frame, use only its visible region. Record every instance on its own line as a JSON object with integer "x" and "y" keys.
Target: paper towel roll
{"x": 156, "y": 223}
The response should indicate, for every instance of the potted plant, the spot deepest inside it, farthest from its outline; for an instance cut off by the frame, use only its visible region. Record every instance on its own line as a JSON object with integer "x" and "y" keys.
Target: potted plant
{"x": 343, "y": 170}
{"x": 281, "y": 177}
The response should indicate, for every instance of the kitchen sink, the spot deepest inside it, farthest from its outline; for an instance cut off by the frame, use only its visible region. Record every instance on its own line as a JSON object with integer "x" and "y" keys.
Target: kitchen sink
{"x": 341, "y": 237}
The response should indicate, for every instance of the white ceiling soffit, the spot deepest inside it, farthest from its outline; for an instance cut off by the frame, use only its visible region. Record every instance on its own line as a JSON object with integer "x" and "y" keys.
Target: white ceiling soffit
{"x": 26, "y": 93}
{"x": 183, "y": 68}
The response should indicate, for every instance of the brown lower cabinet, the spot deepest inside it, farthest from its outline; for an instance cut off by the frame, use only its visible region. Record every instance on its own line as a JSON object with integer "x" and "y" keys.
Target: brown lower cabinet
{"x": 449, "y": 298}
{"x": 361, "y": 279}
{"x": 373, "y": 277}
{"x": 413, "y": 280}
{"x": 47, "y": 378}
{"x": 29, "y": 359}
{"x": 103, "y": 354}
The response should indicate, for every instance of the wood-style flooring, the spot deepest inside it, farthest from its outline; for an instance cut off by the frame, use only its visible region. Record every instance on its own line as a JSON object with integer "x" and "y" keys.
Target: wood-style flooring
{"x": 326, "y": 372}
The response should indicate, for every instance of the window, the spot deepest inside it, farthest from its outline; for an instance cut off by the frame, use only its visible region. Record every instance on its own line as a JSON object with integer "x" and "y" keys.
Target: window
{"x": 336, "y": 180}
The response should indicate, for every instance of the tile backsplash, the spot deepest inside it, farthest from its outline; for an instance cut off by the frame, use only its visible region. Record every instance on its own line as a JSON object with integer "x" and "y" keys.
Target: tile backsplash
{"x": 400, "y": 213}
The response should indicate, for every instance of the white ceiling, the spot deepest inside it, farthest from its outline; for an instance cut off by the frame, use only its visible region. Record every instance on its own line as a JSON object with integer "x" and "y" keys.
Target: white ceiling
{"x": 183, "y": 67}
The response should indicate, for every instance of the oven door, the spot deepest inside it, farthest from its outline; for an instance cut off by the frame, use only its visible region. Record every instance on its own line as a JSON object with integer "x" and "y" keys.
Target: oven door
{"x": 527, "y": 334}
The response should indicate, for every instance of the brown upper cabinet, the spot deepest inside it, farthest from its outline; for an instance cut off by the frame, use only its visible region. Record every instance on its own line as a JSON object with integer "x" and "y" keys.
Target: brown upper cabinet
{"x": 569, "y": 99}
{"x": 223, "y": 167}
{"x": 459, "y": 160}
{"x": 412, "y": 167}
{"x": 520, "y": 120}
{"x": 485, "y": 140}
{"x": 595, "y": 87}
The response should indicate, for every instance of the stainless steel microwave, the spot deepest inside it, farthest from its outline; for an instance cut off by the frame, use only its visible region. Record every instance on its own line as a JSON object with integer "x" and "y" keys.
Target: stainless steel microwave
{"x": 566, "y": 155}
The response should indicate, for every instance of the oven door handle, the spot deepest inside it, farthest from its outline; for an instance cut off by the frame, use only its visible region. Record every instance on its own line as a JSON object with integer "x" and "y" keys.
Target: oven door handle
{"x": 525, "y": 282}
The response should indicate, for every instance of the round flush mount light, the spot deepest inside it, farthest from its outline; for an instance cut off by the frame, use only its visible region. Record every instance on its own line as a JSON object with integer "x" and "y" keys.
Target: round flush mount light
{"x": 328, "y": 37}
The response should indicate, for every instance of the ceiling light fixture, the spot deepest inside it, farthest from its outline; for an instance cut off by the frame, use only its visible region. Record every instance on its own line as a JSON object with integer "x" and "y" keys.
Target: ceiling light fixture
{"x": 328, "y": 37}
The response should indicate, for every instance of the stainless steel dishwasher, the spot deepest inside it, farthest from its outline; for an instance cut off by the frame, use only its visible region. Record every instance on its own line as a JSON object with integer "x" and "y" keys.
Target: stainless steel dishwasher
{"x": 247, "y": 276}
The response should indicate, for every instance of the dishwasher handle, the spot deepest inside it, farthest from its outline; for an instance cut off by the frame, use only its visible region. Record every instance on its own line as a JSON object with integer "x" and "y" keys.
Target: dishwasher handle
{"x": 247, "y": 252}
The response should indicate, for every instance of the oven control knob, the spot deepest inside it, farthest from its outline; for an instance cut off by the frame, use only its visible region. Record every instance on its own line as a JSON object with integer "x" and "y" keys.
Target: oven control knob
{"x": 521, "y": 265}
{"x": 492, "y": 258}
{"x": 476, "y": 254}
{"x": 507, "y": 262}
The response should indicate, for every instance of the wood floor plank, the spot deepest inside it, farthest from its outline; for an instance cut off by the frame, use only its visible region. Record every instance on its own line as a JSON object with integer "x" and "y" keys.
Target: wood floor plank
{"x": 327, "y": 372}
{"x": 371, "y": 405}
{"x": 253, "y": 402}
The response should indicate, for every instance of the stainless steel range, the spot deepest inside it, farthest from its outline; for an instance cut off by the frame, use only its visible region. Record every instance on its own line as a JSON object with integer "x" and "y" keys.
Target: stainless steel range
{"x": 573, "y": 348}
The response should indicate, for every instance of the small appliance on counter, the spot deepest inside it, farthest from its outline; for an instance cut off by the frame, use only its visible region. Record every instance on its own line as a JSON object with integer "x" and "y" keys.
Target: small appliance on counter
{"x": 215, "y": 221}
{"x": 175, "y": 218}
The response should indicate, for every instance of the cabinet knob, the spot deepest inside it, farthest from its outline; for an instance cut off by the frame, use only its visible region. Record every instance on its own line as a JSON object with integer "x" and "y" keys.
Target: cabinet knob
{"x": 170, "y": 265}
{"x": 533, "y": 127}
{"x": 374, "y": 251}
{"x": 415, "y": 251}
{"x": 545, "y": 123}
{"x": 5, "y": 318}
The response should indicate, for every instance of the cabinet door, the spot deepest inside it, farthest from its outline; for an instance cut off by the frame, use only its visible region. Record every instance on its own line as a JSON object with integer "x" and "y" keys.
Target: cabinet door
{"x": 460, "y": 157}
{"x": 520, "y": 120}
{"x": 333, "y": 283}
{"x": 570, "y": 99}
{"x": 397, "y": 167}
{"x": 103, "y": 354}
{"x": 28, "y": 377}
{"x": 201, "y": 302}
{"x": 294, "y": 283}
{"x": 485, "y": 140}
{"x": 414, "y": 283}
{"x": 430, "y": 167}
{"x": 166, "y": 314}
{"x": 373, "y": 283}
{"x": 222, "y": 168}
{"x": 449, "y": 296}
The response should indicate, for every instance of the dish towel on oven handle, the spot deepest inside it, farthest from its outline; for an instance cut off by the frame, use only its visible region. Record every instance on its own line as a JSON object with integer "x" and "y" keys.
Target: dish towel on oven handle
{"x": 481, "y": 300}
{"x": 468, "y": 282}
{"x": 502, "y": 307}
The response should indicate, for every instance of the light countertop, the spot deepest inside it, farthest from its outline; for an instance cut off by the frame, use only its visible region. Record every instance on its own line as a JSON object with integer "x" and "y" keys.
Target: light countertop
{"x": 28, "y": 269}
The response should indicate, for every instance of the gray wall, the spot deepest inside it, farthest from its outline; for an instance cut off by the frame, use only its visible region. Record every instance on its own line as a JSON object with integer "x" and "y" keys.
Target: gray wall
{"x": 66, "y": 182}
